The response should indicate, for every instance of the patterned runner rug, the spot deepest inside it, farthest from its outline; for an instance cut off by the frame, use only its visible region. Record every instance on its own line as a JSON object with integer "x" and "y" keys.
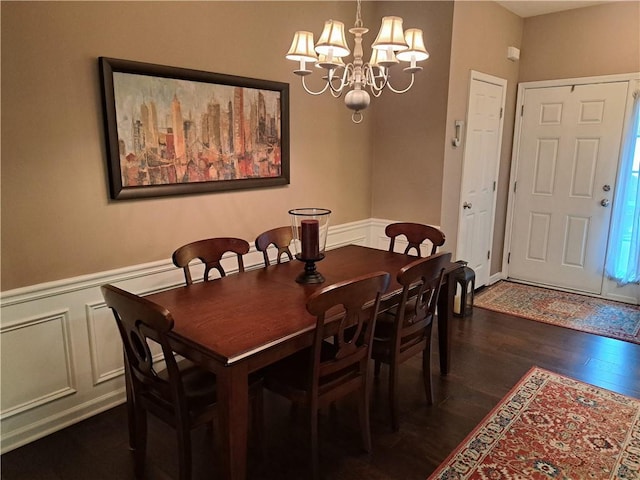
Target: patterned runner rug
{"x": 551, "y": 427}
{"x": 570, "y": 310}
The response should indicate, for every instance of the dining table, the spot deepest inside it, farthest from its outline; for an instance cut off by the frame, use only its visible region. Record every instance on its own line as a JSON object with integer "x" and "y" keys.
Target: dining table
{"x": 240, "y": 323}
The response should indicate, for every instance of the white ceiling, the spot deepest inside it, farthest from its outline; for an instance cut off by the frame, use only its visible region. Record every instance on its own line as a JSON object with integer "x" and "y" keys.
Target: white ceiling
{"x": 530, "y": 8}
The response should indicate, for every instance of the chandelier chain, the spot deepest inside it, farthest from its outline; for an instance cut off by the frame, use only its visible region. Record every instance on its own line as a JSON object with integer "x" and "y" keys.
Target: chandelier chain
{"x": 358, "y": 23}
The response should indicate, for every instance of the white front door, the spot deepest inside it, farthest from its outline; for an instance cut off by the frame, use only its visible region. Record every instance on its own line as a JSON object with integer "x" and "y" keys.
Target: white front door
{"x": 480, "y": 173}
{"x": 566, "y": 171}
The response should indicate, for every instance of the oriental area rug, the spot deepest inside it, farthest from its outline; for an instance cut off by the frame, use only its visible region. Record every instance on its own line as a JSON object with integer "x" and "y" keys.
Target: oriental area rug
{"x": 569, "y": 310}
{"x": 551, "y": 427}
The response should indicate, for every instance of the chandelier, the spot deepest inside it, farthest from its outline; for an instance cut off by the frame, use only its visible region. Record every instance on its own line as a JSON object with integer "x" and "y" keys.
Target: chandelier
{"x": 391, "y": 46}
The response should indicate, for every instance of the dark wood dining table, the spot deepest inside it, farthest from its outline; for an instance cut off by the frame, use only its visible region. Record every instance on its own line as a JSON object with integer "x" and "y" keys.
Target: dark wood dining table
{"x": 240, "y": 323}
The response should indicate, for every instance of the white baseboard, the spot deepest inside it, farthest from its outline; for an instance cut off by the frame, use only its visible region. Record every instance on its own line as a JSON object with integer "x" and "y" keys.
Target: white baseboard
{"x": 495, "y": 278}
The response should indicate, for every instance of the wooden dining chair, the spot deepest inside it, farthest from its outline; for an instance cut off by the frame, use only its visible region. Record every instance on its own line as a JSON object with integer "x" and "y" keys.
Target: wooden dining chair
{"x": 209, "y": 252}
{"x": 406, "y": 330}
{"x": 337, "y": 362}
{"x": 181, "y": 394}
{"x": 281, "y": 238}
{"x": 416, "y": 234}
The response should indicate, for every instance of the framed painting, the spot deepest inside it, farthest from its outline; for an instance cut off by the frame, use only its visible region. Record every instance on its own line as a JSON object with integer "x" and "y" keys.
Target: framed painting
{"x": 172, "y": 131}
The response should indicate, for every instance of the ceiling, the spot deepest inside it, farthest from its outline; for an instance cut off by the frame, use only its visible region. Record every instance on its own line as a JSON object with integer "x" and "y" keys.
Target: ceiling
{"x": 530, "y": 8}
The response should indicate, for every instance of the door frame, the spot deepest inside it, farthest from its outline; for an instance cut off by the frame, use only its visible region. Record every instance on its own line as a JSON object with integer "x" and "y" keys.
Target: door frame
{"x": 609, "y": 290}
{"x": 502, "y": 82}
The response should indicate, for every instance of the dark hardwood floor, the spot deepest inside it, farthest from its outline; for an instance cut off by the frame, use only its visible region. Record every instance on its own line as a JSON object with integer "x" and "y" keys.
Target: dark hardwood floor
{"x": 491, "y": 352}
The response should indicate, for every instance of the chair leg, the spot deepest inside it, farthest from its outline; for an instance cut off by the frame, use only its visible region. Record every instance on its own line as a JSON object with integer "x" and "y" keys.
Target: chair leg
{"x": 184, "y": 452}
{"x": 393, "y": 396}
{"x": 315, "y": 461}
{"x": 131, "y": 417}
{"x": 140, "y": 429}
{"x": 376, "y": 368}
{"x": 365, "y": 426}
{"x": 131, "y": 409}
{"x": 426, "y": 374}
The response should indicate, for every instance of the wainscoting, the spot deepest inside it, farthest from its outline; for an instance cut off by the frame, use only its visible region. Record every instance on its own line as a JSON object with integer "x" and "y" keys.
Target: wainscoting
{"x": 61, "y": 353}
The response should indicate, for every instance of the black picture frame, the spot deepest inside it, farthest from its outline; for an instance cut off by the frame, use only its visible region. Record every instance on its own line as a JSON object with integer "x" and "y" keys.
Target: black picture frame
{"x": 176, "y": 131}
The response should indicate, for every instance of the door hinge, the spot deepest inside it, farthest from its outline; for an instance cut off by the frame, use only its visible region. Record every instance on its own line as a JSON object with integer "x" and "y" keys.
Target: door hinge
{"x": 515, "y": 186}
{"x": 488, "y": 254}
{"x": 509, "y": 257}
{"x": 494, "y": 186}
{"x": 501, "y": 111}
{"x": 522, "y": 110}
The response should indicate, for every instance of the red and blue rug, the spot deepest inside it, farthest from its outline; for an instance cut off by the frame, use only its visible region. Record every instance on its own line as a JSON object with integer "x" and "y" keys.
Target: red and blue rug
{"x": 551, "y": 427}
{"x": 569, "y": 310}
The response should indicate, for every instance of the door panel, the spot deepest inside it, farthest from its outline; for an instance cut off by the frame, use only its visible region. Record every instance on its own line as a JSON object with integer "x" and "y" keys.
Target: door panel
{"x": 538, "y": 237}
{"x": 568, "y": 150}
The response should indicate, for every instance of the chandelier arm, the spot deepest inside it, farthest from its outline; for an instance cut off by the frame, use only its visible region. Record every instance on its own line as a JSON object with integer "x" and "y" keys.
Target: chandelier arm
{"x": 344, "y": 81}
{"x": 372, "y": 81}
{"x": 404, "y": 90}
{"x": 311, "y": 92}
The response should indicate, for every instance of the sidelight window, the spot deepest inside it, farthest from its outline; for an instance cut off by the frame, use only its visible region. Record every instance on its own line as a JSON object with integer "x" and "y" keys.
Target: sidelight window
{"x": 623, "y": 259}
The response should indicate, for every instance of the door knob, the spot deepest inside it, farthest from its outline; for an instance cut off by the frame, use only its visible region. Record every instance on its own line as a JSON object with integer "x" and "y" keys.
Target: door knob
{"x": 467, "y": 205}
{"x": 606, "y": 188}
{"x": 605, "y": 202}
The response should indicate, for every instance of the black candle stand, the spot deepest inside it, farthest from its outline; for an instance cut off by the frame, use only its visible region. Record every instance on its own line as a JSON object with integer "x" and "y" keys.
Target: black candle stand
{"x": 310, "y": 274}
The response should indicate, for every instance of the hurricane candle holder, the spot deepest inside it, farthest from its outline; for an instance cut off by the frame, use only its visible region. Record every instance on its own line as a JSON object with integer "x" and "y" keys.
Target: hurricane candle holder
{"x": 309, "y": 227}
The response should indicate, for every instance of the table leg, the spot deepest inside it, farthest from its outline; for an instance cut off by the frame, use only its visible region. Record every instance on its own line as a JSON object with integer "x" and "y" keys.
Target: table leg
{"x": 445, "y": 311}
{"x": 233, "y": 404}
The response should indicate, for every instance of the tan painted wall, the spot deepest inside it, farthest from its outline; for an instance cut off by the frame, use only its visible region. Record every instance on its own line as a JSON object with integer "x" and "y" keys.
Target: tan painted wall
{"x": 482, "y": 31}
{"x": 599, "y": 40}
{"x": 57, "y": 221}
{"x": 408, "y": 149}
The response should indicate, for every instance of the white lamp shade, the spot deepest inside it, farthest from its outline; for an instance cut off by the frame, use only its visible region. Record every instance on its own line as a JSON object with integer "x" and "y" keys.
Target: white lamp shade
{"x": 332, "y": 41}
{"x": 382, "y": 58}
{"x": 391, "y": 35}
{"x": 416, "y": 49}
{"x": 302, "y": 47}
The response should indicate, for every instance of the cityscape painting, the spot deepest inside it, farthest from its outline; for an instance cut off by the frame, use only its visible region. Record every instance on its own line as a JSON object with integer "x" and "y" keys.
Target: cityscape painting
{"x": 175, "y": 131}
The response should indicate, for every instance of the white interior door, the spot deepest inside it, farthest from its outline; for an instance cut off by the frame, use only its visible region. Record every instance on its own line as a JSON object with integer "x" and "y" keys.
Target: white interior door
{"x": 483, "y": 139}
{"x": 566, "y": 170}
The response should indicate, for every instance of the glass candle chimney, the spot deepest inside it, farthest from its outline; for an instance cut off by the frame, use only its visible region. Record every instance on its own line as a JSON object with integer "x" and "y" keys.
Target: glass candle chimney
{"x": 309, "y": 227}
